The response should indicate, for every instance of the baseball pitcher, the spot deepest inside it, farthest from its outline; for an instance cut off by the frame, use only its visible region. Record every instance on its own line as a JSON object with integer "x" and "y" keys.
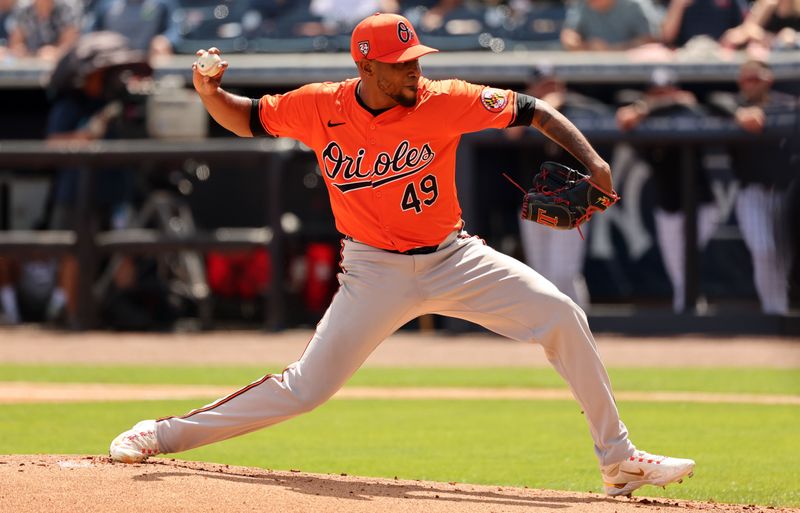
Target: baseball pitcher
{"x": 386, "y": 144}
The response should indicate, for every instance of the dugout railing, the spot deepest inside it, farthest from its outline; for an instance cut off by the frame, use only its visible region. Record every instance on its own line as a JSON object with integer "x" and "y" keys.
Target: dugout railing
{"x": 88, "y": 245}
{"x": 288, "y": 70}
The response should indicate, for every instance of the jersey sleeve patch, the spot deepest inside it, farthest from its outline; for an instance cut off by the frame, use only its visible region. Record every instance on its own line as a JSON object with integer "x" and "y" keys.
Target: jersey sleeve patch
{"x": 494, "y": 100}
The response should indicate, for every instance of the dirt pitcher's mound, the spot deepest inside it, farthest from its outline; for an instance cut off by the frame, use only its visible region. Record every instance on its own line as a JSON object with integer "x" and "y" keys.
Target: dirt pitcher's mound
{"x": 71, "y": 484}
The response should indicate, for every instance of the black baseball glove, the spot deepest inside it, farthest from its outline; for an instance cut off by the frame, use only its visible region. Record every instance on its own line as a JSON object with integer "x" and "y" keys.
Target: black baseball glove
{"x": 564, "y": 198}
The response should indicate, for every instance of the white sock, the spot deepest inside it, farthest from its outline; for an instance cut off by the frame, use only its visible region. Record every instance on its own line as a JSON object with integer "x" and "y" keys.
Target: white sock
{"x": 57, "y": 302}
{"x": 8, "y": 297}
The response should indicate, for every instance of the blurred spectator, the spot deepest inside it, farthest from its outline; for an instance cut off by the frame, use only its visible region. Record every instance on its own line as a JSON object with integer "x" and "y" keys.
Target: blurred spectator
{"x": 432, "y": 18}
{"x": 557, "y": 255}
{"x": 44, "y": 28}
{"x": 663, "y": 97}
{"x": 686, "y": 19}
{"x": 147, "y": 24}
{"x": 770, "y": 23}
{"x": 88, "y": 91}
{"x": 765, "y": 172}
{"x": 332, "y": 17}
{"x": 344, "y": 14}
{"x": 259, "y": 18}
{"x": 6, "y": 19}
{"x": 609, "y": 25}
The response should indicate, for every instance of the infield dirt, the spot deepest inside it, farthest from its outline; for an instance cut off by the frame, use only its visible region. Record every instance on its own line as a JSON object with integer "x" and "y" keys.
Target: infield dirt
{"x": 72, "y": 484}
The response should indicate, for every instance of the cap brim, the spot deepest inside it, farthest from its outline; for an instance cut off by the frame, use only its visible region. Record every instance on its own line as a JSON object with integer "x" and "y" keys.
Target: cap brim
{"x": 407, "y": 54}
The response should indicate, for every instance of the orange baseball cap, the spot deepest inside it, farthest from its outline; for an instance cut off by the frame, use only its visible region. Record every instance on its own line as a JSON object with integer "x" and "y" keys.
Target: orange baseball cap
{"x": 386, "y": 38}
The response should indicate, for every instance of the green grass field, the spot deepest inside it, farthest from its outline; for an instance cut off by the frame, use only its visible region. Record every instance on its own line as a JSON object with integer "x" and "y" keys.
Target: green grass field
{"x": 717, "y": 380}
{"x": 746, "y": 453}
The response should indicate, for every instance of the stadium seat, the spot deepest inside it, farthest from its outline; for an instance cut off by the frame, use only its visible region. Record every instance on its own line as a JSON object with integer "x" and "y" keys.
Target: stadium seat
{"x": 220, "y": 23}
{"x": 460, "y": 30}
{"x": 542, "y": 24}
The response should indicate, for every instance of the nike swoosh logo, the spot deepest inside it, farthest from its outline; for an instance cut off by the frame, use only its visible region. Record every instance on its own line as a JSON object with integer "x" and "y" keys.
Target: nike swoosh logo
{"x": 332, "y": 124}
{"x": 640, "y": 473}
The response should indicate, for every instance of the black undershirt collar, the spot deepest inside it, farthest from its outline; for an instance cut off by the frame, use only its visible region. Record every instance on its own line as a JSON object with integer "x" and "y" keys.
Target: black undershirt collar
{"x": 374, "y": 112}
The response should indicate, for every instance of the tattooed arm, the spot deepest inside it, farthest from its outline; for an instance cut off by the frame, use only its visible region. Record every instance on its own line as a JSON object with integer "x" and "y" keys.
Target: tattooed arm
{"x": 555, "y": 126}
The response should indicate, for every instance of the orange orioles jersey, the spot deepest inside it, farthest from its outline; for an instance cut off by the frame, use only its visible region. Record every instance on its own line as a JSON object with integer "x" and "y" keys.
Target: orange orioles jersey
{"x": 390, "y": 177}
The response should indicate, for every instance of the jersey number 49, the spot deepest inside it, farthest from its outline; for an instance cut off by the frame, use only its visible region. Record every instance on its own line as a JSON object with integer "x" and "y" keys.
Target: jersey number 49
{"x": 428, "y": 190}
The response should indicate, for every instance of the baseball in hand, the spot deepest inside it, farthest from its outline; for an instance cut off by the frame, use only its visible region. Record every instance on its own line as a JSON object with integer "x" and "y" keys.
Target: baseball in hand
{"x": 208, "y": 64}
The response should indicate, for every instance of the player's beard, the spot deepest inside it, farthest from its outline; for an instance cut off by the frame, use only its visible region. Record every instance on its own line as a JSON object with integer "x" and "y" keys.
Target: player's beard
{"x": 406, "y": 101}
{"x": 405, "y": 96}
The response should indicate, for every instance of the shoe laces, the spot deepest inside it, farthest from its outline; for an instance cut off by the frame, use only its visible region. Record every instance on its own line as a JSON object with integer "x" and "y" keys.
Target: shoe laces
{"x": 143, "y": 440}
{"x": 644, "y": 457}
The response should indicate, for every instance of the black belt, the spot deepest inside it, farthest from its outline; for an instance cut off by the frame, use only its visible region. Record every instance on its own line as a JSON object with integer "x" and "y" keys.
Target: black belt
{"x": 422, "y": 250}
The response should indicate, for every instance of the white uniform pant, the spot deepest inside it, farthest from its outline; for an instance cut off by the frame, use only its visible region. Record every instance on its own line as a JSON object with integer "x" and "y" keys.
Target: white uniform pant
{"x": 380, "y": 292}
{"x": 557, "y": 255}
{"x": 758, "y": 210}
{"x": 671, "y": 243}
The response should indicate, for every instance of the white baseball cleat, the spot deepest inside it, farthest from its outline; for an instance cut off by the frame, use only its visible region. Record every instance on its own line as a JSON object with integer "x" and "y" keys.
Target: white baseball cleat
{"x": 135, "y": 444}
{"x": 644, "y": 469}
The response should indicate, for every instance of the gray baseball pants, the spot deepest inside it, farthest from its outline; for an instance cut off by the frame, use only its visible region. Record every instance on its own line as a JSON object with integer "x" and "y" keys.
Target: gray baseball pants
{"x": 380, "y": 292}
